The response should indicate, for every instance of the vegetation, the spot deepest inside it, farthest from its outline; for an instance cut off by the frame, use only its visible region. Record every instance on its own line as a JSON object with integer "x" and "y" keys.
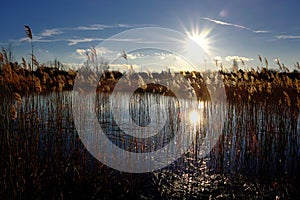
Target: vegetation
{"x": 251, "y": 85}
{"x": 256, "y": 156}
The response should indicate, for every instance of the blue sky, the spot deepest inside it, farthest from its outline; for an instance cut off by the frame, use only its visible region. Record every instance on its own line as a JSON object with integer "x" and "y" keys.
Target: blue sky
{"x": 64, "y": 29}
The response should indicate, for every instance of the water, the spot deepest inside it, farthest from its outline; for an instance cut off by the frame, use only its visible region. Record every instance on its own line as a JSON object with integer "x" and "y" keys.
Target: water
{"x": 257, "y": 154}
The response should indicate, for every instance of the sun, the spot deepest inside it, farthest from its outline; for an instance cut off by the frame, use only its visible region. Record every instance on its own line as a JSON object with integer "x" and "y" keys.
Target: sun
{"x": 198, "y": 37}
{"x": 201, "y": 38}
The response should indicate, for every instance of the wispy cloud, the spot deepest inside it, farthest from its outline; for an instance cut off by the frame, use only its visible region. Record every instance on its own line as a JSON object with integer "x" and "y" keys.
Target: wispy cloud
{"x": 230, "y": 58}
{"x": 45, "y": 35}
{"x": 36, "y": 39}
{"x": 235, "y": 25}
{"x": 226, "y": 23}
{"x": 261, "y": 31}
{"x": 43, "y": 51}
{"x": 51, "y": 32}
{"x": 284, "y": 37}
{"x": 75, "y": 41}
{"x": 99, "y": 50}
{"x": 41, "y": 37}
{"x": 162, "y": 55}
{"x": 134, "y": 56}
{"x": 93, "y": 27}
{"x": 81, "y": 52}
{"x": 217, "y": 59}
{"x": 96, "y": 27}
{"x": 84, "y": 40}
{"x": 125, "y": 25}
{"x": 103, "y": 50}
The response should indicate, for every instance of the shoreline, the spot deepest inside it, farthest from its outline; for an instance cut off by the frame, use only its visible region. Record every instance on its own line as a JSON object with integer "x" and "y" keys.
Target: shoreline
{"x": 252, "y": 86}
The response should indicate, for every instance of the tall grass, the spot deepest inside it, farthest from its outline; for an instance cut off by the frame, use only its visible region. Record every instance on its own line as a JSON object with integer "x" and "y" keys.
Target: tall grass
{"x": 43, "y": 155}
{"x": 256, "y": 155}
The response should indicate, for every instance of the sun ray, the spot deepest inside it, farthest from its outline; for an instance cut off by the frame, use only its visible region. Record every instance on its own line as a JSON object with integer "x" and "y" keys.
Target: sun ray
{"x": 198, "y": 44}
{"x": 202, "y": 37}
{"x": 199, "y": 34}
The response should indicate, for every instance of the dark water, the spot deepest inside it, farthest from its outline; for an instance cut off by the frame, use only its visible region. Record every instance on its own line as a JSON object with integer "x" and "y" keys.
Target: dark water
{"x": 257, "y": 154}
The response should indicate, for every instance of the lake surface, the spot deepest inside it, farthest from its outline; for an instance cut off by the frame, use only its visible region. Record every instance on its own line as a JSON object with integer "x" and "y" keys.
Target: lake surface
{"x": 232, "y": 150}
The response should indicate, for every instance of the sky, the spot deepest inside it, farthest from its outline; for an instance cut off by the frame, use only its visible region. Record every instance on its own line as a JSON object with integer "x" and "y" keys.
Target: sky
{"x": 224, "y": 30}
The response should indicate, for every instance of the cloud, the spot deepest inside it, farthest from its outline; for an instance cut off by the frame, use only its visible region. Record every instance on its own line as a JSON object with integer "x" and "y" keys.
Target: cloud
{"x": 124, "y": 66}
{"x": 100, "y": 51}
{"x": 93, "y": 27}
{"x": 103, "y": 50}
{"x": 216, "y": 59}
{"x": 134, "y": 25}
{"x": 84, "y": 40}
{"x": 124, "y": 25}
{"x": 226, "y": 23}
{"x": 36, "y": 39}
{"x": 284, "y": 37}
{"x": 261, "y": 31}
{"x": 58, "y": 31}
{"x": 230, "y": 58}
{"x": 134, "y": 56}
{"x": 51, "y": 32}
{"x": 71, "y": 65}
{"x": 43, "y": 51}
{"x": 235, "y": 25}
{"x": 162, "y": 55}
{"x": 72, "y": 41}
{"x": 81, "y": 52}
{"x": 42, "y": 37}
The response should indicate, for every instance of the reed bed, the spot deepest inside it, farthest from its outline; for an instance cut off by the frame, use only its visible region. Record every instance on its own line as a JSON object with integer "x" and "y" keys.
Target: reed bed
{"x": 257, "y": 153}
{"x": 256, "y": 157}
{"x": 246, "y": 147}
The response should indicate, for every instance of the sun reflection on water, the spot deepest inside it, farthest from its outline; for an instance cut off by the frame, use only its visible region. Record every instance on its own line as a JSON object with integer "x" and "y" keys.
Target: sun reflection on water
{"x": 194, "y": 116}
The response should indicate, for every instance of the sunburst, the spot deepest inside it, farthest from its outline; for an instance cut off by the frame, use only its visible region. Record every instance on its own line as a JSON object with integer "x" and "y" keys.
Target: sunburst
{"x": 202, "y": 37}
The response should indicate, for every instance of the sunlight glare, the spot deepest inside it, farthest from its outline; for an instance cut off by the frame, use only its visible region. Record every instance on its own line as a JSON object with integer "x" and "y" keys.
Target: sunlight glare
{"x": 201, "y": 38}
{"x": 201, "y": 105}
{"x": 194, "y": 116}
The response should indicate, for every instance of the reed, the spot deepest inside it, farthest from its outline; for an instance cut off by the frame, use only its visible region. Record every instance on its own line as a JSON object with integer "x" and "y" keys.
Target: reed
{"x": 257, "y": 154}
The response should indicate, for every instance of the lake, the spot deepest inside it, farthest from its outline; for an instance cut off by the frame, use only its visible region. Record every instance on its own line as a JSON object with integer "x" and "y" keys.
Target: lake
{"x": 225, "y": 150}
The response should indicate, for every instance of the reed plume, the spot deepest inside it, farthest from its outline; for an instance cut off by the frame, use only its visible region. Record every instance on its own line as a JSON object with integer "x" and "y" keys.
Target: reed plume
{"x": 28, "y": 31}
